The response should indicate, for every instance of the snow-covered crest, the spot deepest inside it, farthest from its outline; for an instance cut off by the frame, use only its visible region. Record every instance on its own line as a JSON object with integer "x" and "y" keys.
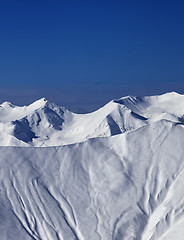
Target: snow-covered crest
{"x": 45, "y": 124}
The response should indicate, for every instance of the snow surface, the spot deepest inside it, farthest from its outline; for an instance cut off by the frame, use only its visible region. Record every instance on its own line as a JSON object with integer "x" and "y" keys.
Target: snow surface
{"x": 114, "y": 174}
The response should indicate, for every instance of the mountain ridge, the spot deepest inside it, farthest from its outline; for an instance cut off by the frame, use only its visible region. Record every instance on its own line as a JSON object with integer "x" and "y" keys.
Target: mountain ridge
{"x": 45, "y": 124}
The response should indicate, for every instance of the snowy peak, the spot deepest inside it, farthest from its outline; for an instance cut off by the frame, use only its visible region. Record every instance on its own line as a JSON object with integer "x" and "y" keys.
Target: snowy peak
{"x": 35, "y": 121}
{"x": 165, "y": 102}
{"x": 42, "y": 102}
{"x": 169, "y": 106}
{"x": 10, "y": 112}
{"x": 7, "y": 105}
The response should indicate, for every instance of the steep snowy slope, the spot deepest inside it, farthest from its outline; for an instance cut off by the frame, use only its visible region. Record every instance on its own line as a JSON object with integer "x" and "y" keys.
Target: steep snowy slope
{"x": 129, "y": 186}
{"x": 121, "y": 179}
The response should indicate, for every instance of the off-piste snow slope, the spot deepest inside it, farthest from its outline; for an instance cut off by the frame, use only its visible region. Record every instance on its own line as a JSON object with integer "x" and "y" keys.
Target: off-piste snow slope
{"x": 114, "y": 174}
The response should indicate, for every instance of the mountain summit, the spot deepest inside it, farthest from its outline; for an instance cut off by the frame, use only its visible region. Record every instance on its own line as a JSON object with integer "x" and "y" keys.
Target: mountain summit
{"x": 113, "y": 174}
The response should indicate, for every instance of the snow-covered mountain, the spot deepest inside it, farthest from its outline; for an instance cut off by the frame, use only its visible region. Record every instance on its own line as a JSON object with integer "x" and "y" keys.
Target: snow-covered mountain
{"x": 45, "y": 124}
{"x": 114, "y": 174}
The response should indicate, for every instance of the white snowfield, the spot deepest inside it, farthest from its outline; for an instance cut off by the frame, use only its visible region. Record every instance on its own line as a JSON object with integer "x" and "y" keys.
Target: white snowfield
{"x": 114, "y": 174}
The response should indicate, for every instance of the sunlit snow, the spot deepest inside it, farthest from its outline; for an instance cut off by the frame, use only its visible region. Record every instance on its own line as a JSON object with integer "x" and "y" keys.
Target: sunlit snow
{"x": 113, "y": 174}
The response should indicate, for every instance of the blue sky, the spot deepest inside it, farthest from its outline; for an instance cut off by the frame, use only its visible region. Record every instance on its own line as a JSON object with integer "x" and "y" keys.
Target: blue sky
{"x": 81, "y": 54}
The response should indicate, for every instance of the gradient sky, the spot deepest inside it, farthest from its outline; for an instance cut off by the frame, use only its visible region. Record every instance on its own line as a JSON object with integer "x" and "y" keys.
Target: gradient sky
{"x": 81, "y": 54}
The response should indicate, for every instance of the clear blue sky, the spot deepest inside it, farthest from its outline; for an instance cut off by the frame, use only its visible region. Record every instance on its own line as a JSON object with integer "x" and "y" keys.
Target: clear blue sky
{"x": 81, "y": 54}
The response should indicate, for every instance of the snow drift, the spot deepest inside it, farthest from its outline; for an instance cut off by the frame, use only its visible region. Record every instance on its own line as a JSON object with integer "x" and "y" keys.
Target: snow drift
{"x": 114, "y": 174}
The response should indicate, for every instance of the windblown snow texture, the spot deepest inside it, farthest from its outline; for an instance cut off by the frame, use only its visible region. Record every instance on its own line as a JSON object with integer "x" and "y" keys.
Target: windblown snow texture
{"x": 114, "y": 174}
